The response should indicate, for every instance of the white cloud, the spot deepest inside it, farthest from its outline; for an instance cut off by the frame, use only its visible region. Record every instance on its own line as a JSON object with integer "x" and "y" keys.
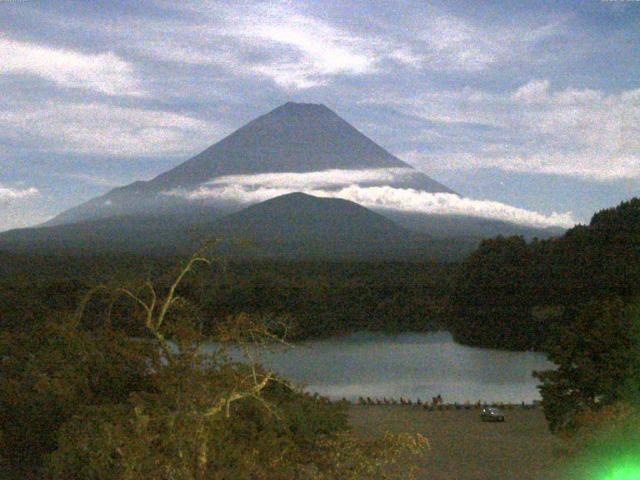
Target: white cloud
{"x": 320, "y": 179}
{"x": 245, "y": 189}
{"x": 576, "y": 132}
{"x": 449, "y": 42}
{"x": 274, "y": 41}
{"x": 9, "y": 193}
{"x": 300, "y": 51}
{"x": 452, "y": 43}
{"x": 313, "y": 50}
{"x": 103, "y": 129}
{"x": 405, "y": 55}
{"x": 533, "y": 92}
{"x": 286, "y": 43}
{"x": 16, "y": 209}
{"x": 104, "y": 72}
{"x": 410, "y": 200}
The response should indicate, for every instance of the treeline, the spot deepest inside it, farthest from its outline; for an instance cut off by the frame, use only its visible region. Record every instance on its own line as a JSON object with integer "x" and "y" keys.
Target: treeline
{"x": 96, "y": 404}
{"x": 321, "y": 299}
{"x": 511, "y": 294}
{"x": 508, "y": 294}
{"x": 315, "y": 298}
{"x": 34, "y": 288}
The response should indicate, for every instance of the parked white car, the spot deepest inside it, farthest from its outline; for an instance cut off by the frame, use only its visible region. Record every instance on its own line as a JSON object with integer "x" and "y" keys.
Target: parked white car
{"x": 491, "y": 414}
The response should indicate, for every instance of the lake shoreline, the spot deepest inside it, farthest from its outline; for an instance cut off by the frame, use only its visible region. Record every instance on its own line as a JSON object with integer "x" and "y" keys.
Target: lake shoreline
{"x": 409, "y": 366}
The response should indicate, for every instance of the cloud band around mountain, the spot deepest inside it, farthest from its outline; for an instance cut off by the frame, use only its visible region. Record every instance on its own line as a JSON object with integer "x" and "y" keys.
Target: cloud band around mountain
{"x": 370, "y": 188}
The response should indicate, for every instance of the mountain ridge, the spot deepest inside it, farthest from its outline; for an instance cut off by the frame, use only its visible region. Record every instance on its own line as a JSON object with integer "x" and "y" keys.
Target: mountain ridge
{"x": 295, "y": 137}
{"x": 293, "y": 226}
{"x": 297, "y": 146}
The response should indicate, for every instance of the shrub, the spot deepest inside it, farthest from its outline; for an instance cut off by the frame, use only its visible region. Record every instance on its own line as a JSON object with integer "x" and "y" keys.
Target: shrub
{"x": 50, "y": 373}
{"x": 101, "y": 406}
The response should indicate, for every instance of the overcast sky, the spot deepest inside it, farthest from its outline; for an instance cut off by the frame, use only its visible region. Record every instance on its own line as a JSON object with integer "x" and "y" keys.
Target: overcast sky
{"x": 534, "y": 104}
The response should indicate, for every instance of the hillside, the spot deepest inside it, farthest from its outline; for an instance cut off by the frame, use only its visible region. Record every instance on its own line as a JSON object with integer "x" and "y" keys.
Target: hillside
{"x": 511, "y": 294}
{"x": 291, "y": 226}
{"x": 300, "y": 225}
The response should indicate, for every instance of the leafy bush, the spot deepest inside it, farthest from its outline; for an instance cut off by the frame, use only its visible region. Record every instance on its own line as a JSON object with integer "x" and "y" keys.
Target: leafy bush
{"x": 169, "y": 435}
{"x": 101, "y": 406}
{"x": 597, "y": 350}
{"x": 49, "y": 373}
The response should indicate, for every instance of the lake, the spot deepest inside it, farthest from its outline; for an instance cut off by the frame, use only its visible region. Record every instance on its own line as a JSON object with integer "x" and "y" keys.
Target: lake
{"x": 408, "y": 365}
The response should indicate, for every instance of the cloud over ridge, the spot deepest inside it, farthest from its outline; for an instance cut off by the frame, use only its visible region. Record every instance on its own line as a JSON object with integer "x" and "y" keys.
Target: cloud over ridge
{"x": 368, "y": 188}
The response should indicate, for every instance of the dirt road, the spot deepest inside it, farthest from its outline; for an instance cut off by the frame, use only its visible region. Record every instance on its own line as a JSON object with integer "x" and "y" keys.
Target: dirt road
{"x": 463, "y": 447}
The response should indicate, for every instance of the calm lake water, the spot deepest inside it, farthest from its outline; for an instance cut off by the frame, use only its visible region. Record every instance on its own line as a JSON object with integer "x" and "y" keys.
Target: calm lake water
{"x": 410, "y": 366}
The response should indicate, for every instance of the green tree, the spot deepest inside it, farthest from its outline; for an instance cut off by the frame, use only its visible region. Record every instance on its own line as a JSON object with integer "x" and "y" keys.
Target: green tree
{"x": 596, "y": 351}
{"x": 161, "y": 407}
{"x": 493, "y": 297}
{"x": 49, "y": 373}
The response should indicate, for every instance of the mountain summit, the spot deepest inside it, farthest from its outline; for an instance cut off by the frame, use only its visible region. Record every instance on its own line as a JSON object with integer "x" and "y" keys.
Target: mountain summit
{"x": 244, "y": 187}
{"x": 296, "y": 137}
{"x": 293, "y": 138}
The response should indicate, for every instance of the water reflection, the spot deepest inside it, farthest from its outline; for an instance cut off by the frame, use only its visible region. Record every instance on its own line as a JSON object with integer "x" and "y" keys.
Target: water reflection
{"x": 408, "y": 365}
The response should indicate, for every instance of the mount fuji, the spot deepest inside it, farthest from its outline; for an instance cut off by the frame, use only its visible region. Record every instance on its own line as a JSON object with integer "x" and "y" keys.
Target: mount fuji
{"x": 295, "y": 148}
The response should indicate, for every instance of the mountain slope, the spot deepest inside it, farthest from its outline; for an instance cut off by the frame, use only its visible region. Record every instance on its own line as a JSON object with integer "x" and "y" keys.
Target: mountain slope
{"x": 302, "y": 225}
{"x": 295, "y": 226}
{"x": 296, "y": 147}
{"x": 294, "y": 137}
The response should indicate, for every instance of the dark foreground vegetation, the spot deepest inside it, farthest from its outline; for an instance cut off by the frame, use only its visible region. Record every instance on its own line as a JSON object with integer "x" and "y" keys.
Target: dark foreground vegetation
{"x": 82, "y": 401}
{"x": 577, "y": 298}
{"x": 79, "y": 397}
{"x": 316, "y": 298}
{"x": 511, "y": 294}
